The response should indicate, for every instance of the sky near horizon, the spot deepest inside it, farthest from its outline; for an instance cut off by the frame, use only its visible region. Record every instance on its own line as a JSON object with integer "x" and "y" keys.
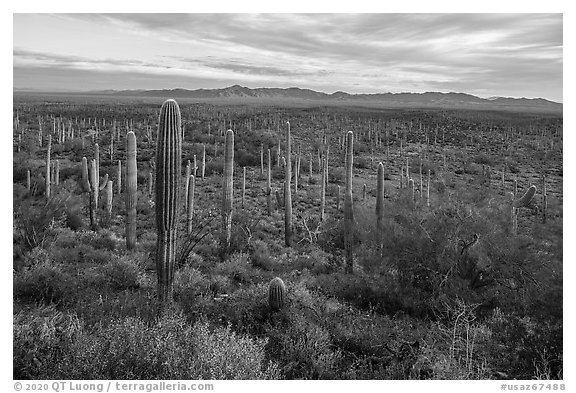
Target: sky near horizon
{"x": 511, "y": 55}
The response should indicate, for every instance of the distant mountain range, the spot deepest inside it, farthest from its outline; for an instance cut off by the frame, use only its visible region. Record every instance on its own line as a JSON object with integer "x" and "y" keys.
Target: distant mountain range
{"x": 383, "y": 100}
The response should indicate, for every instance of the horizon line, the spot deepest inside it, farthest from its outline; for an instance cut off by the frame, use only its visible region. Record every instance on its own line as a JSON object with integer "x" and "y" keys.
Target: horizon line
{"x": 15, "y": 89}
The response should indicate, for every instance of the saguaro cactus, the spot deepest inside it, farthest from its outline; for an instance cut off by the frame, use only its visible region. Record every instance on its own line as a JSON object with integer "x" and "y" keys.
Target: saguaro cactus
{"x": 243, "y": 185}
{"x": 203, "y": 170}
{"x": 276, "y": 294}
{"x": 262, "y": 159}
{"x": 190, "y": 203}
{"x": 428, "y": 190}
{"x": 57, "y": 172}
{"x": 227, "y": 189}
{"x": 109, "y": 192}
{"x": 348, "y": 204}
{"x": 288, "y": 191}
{"x": 322, "y": 189}
{"x": 119, "y": 177}
{"x": 131, "y": 189}
{"x": 380, "y": 198}
{"x": 28, "y": 182}
{"x": 544, "y": 199}
{"x": 269, "y": 185}
{"x": 168, "y": 179}
{"x": 48, "y": 166}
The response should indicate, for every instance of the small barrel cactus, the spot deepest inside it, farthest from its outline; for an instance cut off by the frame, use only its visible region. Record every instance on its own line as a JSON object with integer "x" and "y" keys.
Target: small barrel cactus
{"x": 276, "y": 294}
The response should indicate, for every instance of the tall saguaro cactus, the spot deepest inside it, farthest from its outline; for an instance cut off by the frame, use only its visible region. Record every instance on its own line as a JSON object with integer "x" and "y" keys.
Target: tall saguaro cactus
{"x": 48, "y": 167}
{"x": 168, "y": 180}
{"x": 380, "y": 198}
{"x": 190, "y": 203}
{"x": 227, "y": 189}
{"x": 288, "y": 191}
{"x": 269, "y": 185}
{"x": 131, "y": 189}
{"x": 322, "y": 189}
{"x": 348, "y": 211}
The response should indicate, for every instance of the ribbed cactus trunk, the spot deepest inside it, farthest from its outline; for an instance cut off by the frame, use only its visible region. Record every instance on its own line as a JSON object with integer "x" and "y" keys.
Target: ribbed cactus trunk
{"x": 262, "y": 159}
{"x": 288, "y": 191}
{"x": 48, "y": 166}
{"x": 168, "y": 180}
{"x": 203, "y": 170}
{"x": 187, "y": 174}
{"x": 269, "y": 186}
{"x": 28, "y": 182}
{"x": 57, "y": 172}
{"x": 544, "y": 200}
{"x": 109, "y": 193}
{"x": 310, "y": 170}
{"x": 94, "y": 189}
{"x": 119, "y": 178}
{"x": 428, "y": 190}
{"x": 364, "y": 192}
{"x": 243, "y": 186}
{"x": 97, "y": 158}
{"x": 131, "y": 190}
{"x": 190, "y": 203}
{"x": 322, "y": 189}
{"x": 412, "y": 192}
{"x": 380, "y": 200}
{"x": 227, "y": 190}
{"x": 278, "y": 153}
{"x": 348, "y": 204}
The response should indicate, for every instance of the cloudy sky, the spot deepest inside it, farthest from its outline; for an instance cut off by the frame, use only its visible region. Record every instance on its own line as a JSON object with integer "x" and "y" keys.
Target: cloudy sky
{"x": 513, "y": 55}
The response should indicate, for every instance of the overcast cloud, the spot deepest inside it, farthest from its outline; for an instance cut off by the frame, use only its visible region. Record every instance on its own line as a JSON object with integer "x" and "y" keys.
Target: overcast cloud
{"x": 517, "y": 55}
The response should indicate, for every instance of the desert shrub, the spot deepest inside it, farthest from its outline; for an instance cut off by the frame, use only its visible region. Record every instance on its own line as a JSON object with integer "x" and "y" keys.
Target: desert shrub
{"x": 122, "y": 273}
{"x": 260, "y": 255}
{"x": 34, "y": 223}
{"x": 214, "y": 167}
{"x": 52, "y": 345}
{"x": 336, "y": 175}
{"x": 304, "y": 349}
{"x": 235, "y": 268}
{"x": 44, "y": 282}
{"x": 19, "y": 192}
{"x": 189, "y": 283}
{"x": 361, "y": 162}
{"x": 246, "y": 158}
{"x": 40, "y": 343}
{"x": 483, "y": 159}
{"x": 222, "y": 354}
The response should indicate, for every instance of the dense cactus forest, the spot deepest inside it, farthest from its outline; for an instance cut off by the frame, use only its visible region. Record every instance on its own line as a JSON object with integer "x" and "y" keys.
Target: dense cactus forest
{"x": 181, "y": 240}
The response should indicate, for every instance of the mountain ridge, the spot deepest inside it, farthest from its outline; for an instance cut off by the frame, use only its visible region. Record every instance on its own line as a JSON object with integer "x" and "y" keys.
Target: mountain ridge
{"x": 452, "y": 100}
